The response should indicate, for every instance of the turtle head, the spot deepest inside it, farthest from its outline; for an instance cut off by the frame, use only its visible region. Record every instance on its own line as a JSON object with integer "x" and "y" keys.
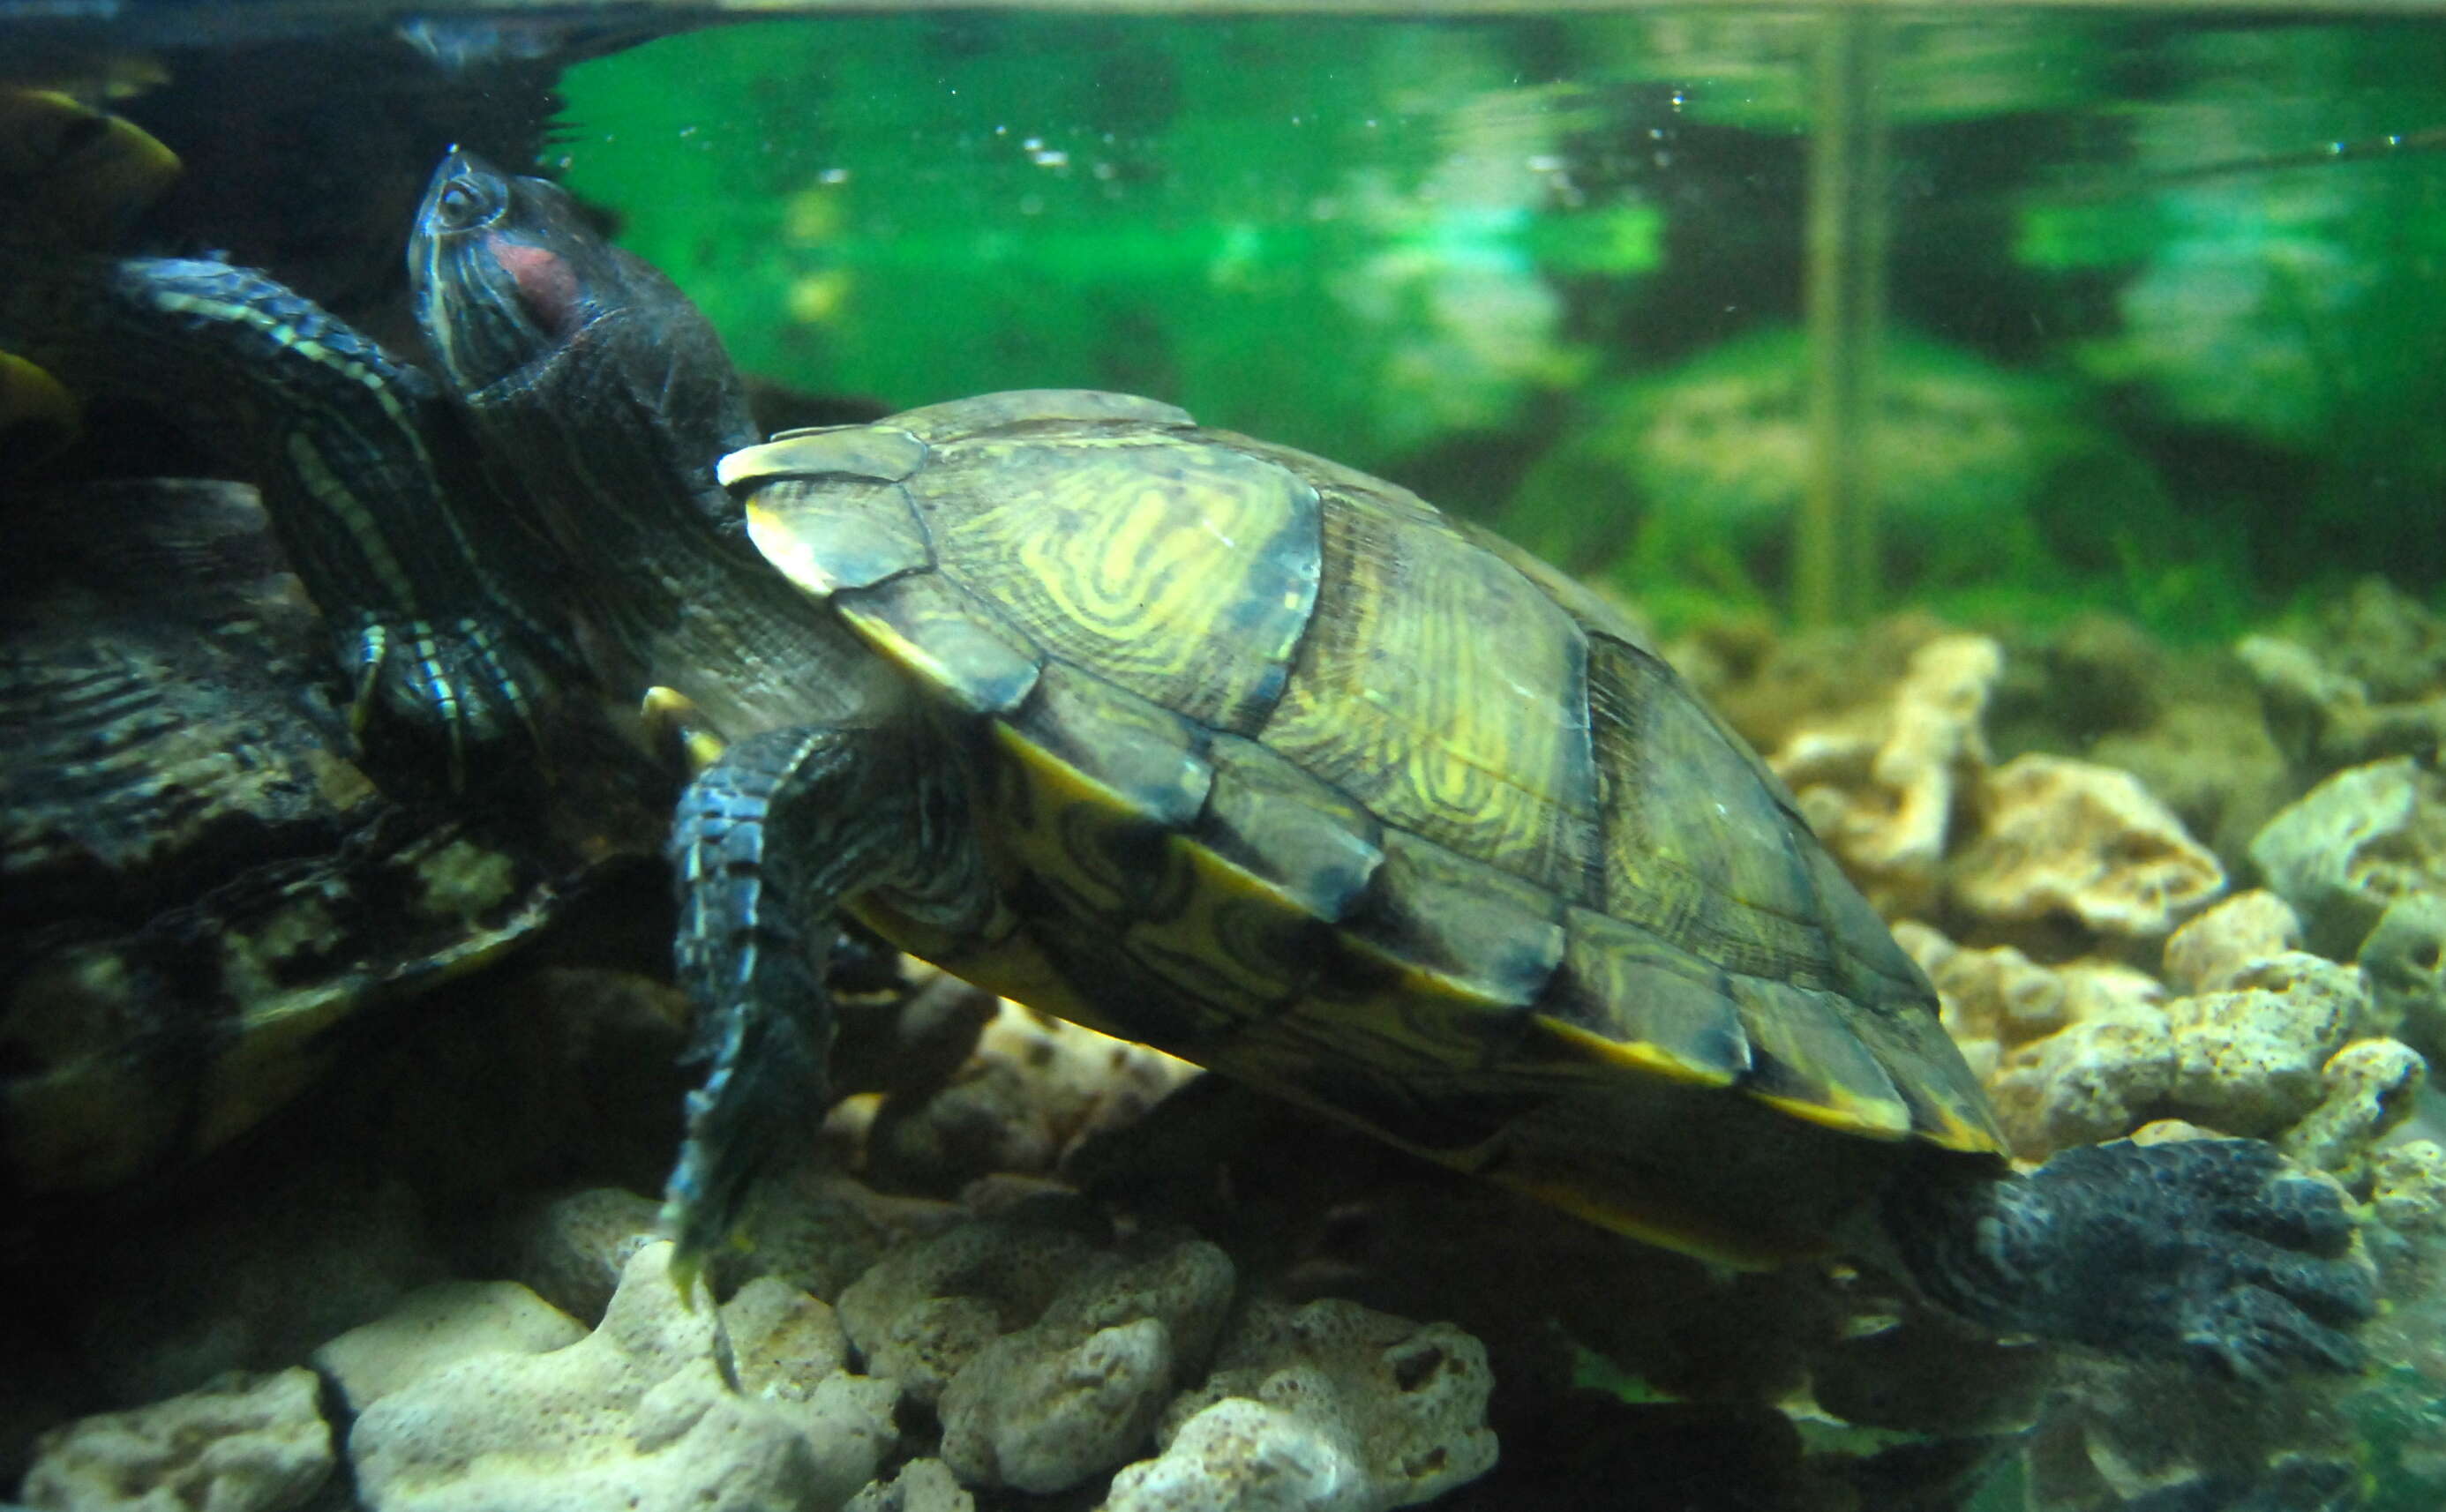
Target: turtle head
{"x": 508, "y": 274}
{"x": 588, "y": 374}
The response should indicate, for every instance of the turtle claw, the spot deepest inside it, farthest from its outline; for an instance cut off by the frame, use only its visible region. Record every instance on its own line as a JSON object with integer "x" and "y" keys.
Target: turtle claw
{"x": 2255, "y": 1335}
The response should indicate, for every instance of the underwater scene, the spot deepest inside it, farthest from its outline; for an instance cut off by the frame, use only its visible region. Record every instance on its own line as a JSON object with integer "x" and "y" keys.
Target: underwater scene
{"x": 1183, "y": 758}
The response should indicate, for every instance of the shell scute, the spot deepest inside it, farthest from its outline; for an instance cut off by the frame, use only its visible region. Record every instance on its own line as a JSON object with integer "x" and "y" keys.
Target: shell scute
{"x": 842, "y": 533}
{"x": 1266, "y": 815}
{"x": 1810, "y": 1063}
{"x": 1402, "y": 698}
{"x": 1697, "y": 850}
{"x": 881, "y": 453}
{"x": 1151, "y": 760}
{"x": 1186, "y": 575}
{"x": 1626, "y": 997}
{"x": 938, "y": 633}
{"x": 1456, "y": 930}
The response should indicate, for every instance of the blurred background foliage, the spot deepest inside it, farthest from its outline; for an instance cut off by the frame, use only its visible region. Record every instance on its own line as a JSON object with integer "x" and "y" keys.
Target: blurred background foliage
{"x": 2165, "y": 295}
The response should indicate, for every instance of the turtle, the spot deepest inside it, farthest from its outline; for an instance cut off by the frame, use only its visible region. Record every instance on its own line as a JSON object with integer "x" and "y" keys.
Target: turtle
{"x": 235, "y": 829}
{"x": 208, "y": 874}
{"x": 1232, "y": 750}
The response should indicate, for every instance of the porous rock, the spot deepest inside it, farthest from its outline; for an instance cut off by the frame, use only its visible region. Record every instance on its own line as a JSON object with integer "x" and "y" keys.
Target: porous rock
{"x": 922, "y": 1486}
{"x": 1991, "y": 999}
{"x": 2208, "y": 757}
{"x": 2408, "y": 1187}
{"x": 1326, "y": 1407}
{"x": 571, "y": 1249}
{"x": 440, "y": 1325}
{"x": 820, "y": 1230}
{"x": 1047, "y": 1400}
{"x": 2095, "y": 1080}
{"x": 1881, "y": 787}
{"x": 2247, "y": 1060}
{"x": 2367, "y": 1090}
{"x": 2350, "y": 846}
{"x": 2356, "y": 702}
{"x": 920, "y": 1314}
{"x": 2249, "y": 1057}
{"x": 1033, "y": 1090}
{"x": 639, "y": 1414}
{"x": 2208, "y": 953}
{"x": 1242, "y": 1455}
{"x": 2405, "y": 958}
{"x": 247, "y": 1444}
{"x": 2061, "y": 838}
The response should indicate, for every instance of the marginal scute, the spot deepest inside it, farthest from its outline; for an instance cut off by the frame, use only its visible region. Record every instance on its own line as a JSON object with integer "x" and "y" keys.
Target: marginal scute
{"x": 1186, "y": 575}
{"x": 1150, "y": 758}
{"x": 1106, "y": 859}
{"x": 1458, "y": 927}
{"x": 944, "y": 639}
{"x": 835, "y": 535}
{"x": 882, "y": 453}
{"x": 1947, "y": 1106}
{"x": 1809, "y": 1062}
{"x": 1403, "y": 699}
{"x": 1238, "y": 939}
{"x": 1626, "y": 998}
{"x": 1272, "y": 820}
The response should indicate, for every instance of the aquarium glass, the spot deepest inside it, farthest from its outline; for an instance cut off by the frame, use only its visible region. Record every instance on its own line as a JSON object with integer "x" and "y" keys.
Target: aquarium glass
{"x": 2024, "y": 427}
{"x": 2156, "y": 300}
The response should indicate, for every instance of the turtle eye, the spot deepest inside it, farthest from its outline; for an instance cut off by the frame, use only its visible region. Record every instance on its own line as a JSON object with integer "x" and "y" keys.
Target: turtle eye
{"x": 464, "y": 202}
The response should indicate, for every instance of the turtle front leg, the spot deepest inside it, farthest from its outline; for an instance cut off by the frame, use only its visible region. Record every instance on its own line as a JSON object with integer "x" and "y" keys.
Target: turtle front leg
{"x": 2211, "y": 1250}
{"x": 768, "y": 841}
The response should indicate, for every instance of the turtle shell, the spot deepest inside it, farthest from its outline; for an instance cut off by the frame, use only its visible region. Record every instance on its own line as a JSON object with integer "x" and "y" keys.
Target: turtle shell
{"x": 203, "y": 893}
{"x": 1282, "y": 771}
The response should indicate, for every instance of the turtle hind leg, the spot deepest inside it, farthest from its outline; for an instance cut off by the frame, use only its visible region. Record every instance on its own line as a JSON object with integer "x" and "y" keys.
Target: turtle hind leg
{"x": 2211, "y": 1250}
{"x": 766, "y": 843}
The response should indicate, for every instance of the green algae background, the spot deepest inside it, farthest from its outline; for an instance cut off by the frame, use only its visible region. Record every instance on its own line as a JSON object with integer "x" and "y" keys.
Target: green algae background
{"x": 2164, "y": 300}
{"x": 1335, "y": 234}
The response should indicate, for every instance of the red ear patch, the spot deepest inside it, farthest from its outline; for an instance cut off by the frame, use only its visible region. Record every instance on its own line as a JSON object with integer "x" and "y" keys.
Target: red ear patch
{"x": 547, "y": 285}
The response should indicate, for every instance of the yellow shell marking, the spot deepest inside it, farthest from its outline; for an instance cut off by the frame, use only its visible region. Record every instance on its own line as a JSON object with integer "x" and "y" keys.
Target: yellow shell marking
{"x": 1235, "y": 940}
{"x": 1184, "y": 575}
{"x": 1403, "y": 699}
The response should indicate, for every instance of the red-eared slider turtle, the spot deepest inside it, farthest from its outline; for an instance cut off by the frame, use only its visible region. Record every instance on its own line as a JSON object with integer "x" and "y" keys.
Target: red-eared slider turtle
{"x": 201, "y": 887}
{"x": 1226, "y": 748}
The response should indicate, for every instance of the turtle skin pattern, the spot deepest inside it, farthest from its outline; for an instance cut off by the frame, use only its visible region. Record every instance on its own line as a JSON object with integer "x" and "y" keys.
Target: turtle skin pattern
{"x": 1288, "y": 773}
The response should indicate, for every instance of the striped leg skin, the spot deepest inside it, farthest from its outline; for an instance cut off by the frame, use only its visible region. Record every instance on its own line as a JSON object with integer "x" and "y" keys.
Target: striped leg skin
{"x": 411, "y": 553}
{"x": 768, "y": 842}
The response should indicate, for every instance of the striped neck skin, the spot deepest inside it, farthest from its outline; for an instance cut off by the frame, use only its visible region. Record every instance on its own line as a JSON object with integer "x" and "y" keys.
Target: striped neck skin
{"x": 394, "y": 538}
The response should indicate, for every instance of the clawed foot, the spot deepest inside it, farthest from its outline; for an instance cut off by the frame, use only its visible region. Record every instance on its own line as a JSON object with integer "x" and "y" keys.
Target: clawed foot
{"x": 466, "y": 683}
{"x": 2213, "y": 1249}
